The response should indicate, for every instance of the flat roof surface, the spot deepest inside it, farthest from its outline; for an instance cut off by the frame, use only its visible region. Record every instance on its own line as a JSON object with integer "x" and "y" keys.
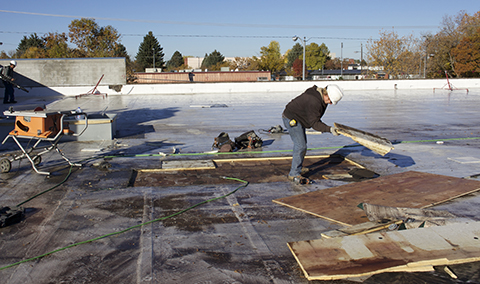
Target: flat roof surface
{"x": 96, "y": 226}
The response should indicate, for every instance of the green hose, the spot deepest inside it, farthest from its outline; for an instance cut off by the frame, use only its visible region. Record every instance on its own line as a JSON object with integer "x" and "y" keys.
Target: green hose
{"x": 273, "y": 151}
{"x": 45, "y": 191}
{"x": 133, "y": 227}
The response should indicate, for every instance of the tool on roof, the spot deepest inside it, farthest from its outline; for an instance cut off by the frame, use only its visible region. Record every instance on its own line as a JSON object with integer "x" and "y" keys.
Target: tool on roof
{"x": 9, "y": 80}
{"x": 94, "y": 91}
{"x": 373, "y": 142}
{"x": 42, "y": 126}
{"x": 10, "y": 216}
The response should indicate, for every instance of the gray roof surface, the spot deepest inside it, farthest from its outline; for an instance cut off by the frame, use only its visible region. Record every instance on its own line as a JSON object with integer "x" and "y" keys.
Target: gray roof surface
{"x": 240, "y": 238}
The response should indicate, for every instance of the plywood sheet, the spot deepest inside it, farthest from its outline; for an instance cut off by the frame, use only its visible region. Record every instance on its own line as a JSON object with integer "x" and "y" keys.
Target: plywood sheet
{"x": 394, "y": 251}
{"x": 409, "y": 189}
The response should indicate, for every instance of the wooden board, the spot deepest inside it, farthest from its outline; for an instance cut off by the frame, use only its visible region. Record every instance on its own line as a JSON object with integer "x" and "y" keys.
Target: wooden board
{"x": 373, "y": 142}
{"x": 183, "y": 165}
{"x": 394, "y": 251}
{"x": 409, "y": 189}
{"x": 360, "y": 229}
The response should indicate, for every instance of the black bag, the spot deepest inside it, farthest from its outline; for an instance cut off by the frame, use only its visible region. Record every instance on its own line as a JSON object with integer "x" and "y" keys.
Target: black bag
{"x": 223, "y": 143}
{"x": 248, "y": 140}
{"x": 10, "y": 216}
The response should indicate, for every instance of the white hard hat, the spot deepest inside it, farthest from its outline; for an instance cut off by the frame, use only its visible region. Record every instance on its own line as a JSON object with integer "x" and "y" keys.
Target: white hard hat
{"x": 335, "y": 93}
{"x": 13, "y": 62}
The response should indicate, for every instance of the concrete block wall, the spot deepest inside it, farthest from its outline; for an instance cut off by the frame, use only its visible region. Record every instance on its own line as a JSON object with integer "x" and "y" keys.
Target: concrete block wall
{"x": 69, "y": 72}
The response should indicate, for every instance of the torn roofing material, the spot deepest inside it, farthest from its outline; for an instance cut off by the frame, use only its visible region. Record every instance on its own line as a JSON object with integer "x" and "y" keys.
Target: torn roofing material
{"x": 373, "y": 142}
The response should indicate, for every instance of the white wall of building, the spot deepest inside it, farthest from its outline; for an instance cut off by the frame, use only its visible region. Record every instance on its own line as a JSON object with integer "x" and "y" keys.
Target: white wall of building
{"x": 264, "y": 87}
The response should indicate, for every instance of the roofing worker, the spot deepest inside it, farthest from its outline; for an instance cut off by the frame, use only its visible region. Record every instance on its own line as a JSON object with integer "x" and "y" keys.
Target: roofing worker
{"x": 306, "y": 111}
{"x": 7, "y": 71}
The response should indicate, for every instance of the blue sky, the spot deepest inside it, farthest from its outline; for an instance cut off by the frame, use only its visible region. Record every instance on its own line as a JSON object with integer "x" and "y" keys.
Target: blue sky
{"x": 234, "y": 28}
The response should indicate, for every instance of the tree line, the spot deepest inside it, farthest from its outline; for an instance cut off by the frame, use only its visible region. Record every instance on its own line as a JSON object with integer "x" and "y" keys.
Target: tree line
{"x": 455, "y": 49}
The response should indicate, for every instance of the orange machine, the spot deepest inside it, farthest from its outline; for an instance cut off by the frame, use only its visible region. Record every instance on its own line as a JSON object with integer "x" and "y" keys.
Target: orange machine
{"x": 37, "y": 124}
{"x": 43, "y": 126}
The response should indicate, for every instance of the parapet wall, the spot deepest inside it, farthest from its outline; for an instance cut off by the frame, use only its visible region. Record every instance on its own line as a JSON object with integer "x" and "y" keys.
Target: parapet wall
{"x": 69, "y": 72}
{"x": 296, "y": 86}
{"x": 112, "y": 87}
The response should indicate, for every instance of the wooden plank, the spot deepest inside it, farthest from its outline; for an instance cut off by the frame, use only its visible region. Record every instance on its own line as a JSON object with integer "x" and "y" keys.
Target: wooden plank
{"x": 363, "y": 228}
{"x": 268, "y": 159}
{"x": 373, "y": 142}
{"x": 409, "y": 189}
{"x": 183, "y": 165}
{"x": 188, "y": 165}
{"x": 394, "y": 251}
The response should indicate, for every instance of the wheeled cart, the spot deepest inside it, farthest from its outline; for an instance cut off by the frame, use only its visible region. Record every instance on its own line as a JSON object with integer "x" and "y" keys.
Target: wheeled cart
{"x": 39, "y": 125}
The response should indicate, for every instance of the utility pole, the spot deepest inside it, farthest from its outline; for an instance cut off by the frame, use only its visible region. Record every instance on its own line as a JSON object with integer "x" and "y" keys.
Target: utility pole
{"x": 341, "y": 62}
{"x": 361, "y": 59}
{"x": 153, "y": 50}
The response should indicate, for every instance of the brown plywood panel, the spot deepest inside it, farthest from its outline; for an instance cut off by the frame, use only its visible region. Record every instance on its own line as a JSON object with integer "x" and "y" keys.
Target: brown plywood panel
{"x": 409, "y": 189}
{"x": 394, "y": 251}
{"x": 254, "y": 170}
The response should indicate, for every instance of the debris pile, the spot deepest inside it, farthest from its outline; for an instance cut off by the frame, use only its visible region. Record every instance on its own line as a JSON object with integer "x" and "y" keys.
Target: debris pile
{"x": 401, "y": 234}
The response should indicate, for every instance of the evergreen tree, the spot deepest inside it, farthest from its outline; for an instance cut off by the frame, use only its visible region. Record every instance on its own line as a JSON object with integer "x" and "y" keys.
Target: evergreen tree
{"x": 27, "y": 42}
{"x": 150, "y": 51}
{"x": 176, "y": 61}
{"x": 214, "y": 60}
{"x": 295, "y": 53}
{"x": 121, "y": 51}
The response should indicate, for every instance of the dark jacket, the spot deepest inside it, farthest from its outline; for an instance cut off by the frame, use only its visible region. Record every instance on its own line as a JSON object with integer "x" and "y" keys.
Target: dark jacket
{"x": 308, "y": 109}
{"x": 7, "y": 71}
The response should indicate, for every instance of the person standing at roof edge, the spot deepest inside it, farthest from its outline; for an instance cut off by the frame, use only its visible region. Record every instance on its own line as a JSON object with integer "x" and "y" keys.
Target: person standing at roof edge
{"x": 306, "y": 111}
{"x": 7, "y": 71}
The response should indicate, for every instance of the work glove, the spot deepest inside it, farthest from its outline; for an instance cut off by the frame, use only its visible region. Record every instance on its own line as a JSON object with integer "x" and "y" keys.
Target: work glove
{"x": 334, "y": 131}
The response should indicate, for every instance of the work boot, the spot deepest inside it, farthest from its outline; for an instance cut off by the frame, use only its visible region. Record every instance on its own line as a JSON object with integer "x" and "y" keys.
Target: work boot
{"x": 299, "y": 180}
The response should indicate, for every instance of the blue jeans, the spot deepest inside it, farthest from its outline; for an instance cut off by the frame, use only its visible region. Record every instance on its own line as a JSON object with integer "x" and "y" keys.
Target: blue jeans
{"x": 9, "y": 93}
{"x": 299, "y": 138}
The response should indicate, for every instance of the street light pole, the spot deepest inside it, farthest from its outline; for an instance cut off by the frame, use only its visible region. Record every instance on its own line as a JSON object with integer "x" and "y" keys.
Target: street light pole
{"x": 361, "y": 59}
{"x": 303, "y": 63}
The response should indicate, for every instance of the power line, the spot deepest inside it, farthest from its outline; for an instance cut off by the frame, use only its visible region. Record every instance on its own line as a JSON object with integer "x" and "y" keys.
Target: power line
{"x": 275, "y": 26}
{"x": 233, "y": 36}
{"x": 208, "y": 36}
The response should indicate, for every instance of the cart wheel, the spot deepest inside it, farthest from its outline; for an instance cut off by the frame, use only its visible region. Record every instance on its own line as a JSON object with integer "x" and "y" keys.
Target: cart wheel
{"x": 5, "y": 165}
{"x": 37, "y": 160}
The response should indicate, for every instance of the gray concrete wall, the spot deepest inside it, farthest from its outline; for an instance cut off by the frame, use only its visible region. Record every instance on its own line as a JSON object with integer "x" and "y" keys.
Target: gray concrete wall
{"x": 68, "y": 72}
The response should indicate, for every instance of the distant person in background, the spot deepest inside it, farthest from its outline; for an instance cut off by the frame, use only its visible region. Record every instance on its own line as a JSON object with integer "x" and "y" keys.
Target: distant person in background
{"x": 190, "y": 76}
{"x": 306, "y": 111}
{"x": 7, "y": 71}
